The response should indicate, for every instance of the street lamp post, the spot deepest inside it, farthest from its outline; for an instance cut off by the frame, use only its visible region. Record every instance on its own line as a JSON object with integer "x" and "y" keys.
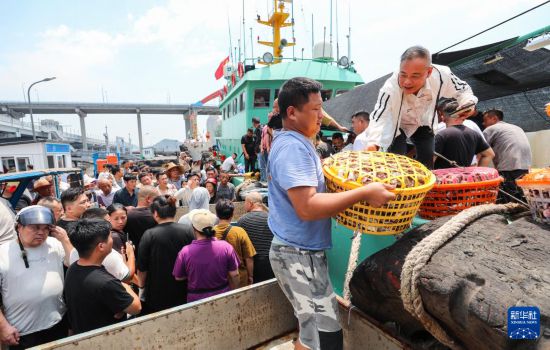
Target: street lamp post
{"x": 30, "y": 105}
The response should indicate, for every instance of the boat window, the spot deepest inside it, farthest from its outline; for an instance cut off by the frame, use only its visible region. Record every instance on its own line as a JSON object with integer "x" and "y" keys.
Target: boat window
{"x": 340, "y": 92}
{"x": 261, "y": 98}
{"x": 242, "y": 99}
{"x": 22, "y": 164}
{"x": 235, "y": 110}
{"x": 51, "y": 163}
{"x": 326, "y": 94}
{"x": 8, "y": 164}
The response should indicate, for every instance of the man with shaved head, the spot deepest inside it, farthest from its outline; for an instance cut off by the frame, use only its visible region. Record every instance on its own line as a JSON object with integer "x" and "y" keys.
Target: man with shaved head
{"x": 106, "y": 193}
{"x": 255, "y": 224}
{"x": 140, "y": 219}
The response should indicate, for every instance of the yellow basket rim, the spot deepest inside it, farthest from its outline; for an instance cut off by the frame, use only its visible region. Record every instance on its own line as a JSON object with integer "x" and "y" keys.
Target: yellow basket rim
{"x": 353, "y": 185}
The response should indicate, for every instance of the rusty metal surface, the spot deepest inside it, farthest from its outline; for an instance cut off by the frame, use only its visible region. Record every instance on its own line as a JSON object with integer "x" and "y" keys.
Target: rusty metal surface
{"x": 361, "y": 333}
{"x": 237, "y": 320}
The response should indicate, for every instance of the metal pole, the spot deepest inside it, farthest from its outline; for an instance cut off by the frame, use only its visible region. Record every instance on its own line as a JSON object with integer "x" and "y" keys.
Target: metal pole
{"x": 140, "y": 136}
{"x": 30, "y": 105}
{"x": 251, "y": 45}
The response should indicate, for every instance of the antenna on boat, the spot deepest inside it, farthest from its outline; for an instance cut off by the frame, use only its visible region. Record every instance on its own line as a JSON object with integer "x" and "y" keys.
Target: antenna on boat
{"x": 243, "y": 37}
{"x": 349, "y": 31}
{"x": 293, "y": 36}
{"x": 239, "y": 45}
{"x": 251, "y": 45}
{"x": 324, "y": 39}
{"x": 330, "y": 35}
{"x": 230, "y": 43}
{"x": 337, "y": 39}
{"x": 312, "y": 37}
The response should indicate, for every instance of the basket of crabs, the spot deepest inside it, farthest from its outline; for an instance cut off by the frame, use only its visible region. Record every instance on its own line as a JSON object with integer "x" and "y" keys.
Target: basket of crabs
{"x": 349, "y": 170}
{"x": 536, "y": 188}
{"x": 460, "y": 188}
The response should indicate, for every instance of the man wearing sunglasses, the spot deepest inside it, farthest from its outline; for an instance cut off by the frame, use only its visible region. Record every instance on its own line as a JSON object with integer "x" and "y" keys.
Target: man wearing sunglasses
{"x": 31, "y": 280}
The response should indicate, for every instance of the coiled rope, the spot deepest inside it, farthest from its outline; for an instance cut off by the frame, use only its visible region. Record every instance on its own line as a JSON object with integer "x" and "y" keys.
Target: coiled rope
{"x": 421, "y": 254}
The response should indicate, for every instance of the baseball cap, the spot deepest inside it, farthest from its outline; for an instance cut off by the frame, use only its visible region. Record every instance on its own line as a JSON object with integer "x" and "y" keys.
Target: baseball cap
{"x": 203, "y": 218}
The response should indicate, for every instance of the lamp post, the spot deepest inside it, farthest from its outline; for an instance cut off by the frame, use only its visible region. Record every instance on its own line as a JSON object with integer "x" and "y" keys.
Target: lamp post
{"x": 30, "y": 105}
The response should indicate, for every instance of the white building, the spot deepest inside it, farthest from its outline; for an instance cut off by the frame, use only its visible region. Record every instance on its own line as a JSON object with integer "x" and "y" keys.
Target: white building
{"x": 41, "y": 154}
{"x": 148, "y": 153}
{"x": 167, "y": 146}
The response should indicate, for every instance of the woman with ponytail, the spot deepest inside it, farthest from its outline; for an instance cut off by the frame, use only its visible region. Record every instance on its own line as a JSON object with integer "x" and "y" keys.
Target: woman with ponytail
{"x": 210, "y": 266}
{"x": 157, "y": 253}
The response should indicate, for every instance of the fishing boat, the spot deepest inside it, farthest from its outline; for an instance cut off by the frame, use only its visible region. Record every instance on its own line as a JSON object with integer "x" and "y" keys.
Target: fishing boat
{"x": 253, "y": 84}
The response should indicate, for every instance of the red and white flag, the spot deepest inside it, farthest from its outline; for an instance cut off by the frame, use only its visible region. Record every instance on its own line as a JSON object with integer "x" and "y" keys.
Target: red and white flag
{"x": 219, "y": 71}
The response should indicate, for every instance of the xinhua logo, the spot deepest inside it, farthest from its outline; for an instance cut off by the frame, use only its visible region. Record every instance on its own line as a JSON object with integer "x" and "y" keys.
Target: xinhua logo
{"x": 523, "y": 322}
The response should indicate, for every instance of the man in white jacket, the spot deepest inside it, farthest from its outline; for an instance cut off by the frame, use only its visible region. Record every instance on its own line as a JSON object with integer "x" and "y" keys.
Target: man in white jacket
{"x": 406, "y": 105}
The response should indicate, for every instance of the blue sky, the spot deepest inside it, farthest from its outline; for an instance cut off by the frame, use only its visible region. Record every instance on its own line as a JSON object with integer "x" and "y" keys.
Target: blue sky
{"x": 166, "y": 51}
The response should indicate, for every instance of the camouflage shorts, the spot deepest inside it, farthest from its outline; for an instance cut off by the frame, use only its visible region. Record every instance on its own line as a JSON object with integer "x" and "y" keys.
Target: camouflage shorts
{"x": 303, "y": 277}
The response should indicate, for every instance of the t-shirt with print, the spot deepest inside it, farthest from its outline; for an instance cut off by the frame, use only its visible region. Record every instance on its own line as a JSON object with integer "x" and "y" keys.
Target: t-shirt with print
{"x": 158, "y": 251}
{"x": 93, "y": 297}
{"x": 239, "y": 240}
{"x": 32, "y": 297}
{"x": 293, "y": 162}
{"x": 206, "y": 264}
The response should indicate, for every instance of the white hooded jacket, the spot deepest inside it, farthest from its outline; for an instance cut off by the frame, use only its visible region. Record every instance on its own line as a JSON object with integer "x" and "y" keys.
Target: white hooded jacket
{"x": 390, "y": 106}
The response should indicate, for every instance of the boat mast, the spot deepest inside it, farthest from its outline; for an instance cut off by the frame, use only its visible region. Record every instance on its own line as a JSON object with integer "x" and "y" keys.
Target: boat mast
{"x": 277, "y": 21}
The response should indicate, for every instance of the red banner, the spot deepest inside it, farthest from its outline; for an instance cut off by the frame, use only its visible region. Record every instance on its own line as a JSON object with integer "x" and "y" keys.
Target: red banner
{"x": 219, "y": 71}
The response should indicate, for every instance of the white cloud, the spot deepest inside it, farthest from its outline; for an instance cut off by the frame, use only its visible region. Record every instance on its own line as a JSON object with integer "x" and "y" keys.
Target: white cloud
{"x": 192, "y": 38}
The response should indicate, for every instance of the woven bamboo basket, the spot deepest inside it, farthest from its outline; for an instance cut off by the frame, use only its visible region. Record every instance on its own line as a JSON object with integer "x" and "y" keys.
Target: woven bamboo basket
{"x": 349, "y": 170}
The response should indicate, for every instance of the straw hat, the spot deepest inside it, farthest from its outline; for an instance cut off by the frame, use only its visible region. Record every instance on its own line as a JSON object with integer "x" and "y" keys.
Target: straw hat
{"x": 42, "y": 182}
{"x": 169, "y": 166}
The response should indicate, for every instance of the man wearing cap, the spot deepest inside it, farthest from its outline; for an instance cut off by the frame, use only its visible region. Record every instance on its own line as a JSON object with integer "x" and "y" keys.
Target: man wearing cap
{"x": 127, "y": 196}
{"x": 406, "y": 105}
{"x": 456, "y": 142}
{"x": 31, "y": 278}
{"x": 210, "y": 266}
{"x": 43, "y": 188}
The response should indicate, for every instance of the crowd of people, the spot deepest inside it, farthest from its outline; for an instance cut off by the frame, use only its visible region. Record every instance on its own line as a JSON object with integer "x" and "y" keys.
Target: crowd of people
{"x": 114, "y": 247}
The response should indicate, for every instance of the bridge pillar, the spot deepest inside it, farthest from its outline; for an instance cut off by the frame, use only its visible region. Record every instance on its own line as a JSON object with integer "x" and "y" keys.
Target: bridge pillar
{"x": 82, "y": 115}
{"x": 187, "y": 122}
{"x": 140, "y": 136}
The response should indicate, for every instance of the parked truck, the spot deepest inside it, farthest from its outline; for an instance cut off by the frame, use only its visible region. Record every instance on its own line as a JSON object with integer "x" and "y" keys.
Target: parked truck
{"x": 254, "y": 317}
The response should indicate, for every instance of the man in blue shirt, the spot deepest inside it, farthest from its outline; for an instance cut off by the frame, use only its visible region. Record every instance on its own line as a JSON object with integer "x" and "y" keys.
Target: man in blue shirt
{"x": 300, "y": 214}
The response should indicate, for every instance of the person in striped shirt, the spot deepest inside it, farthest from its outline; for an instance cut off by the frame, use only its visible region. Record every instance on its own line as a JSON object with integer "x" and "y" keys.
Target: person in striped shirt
{"x": 254, "y": 222}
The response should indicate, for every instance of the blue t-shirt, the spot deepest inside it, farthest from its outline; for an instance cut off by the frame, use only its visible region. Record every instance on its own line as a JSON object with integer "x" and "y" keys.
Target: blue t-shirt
{"x": 293, "y": 162}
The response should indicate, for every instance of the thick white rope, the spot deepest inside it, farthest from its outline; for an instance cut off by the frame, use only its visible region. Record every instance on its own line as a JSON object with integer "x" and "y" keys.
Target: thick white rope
{"x": 423, "y": 251}
{"x": 352, "y": 263}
